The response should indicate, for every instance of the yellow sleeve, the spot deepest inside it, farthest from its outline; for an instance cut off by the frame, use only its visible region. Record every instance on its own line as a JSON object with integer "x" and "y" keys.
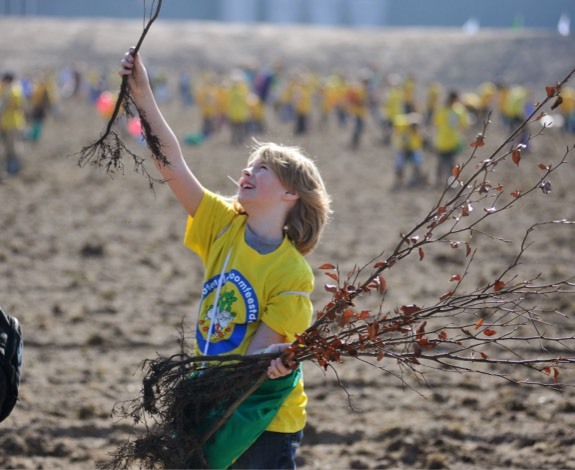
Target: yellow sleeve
{"x": 212, "y": 216}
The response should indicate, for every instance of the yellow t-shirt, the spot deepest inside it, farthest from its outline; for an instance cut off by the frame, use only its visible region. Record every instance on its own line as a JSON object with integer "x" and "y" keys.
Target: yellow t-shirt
{"x": 273, "y": 288}
{"x": 237, "y": 104}
{"x": 302, "y": 96}
{"x": 449, "y": 123}
{"x": 406, "y": 137}
{"x": 12, "y": 115}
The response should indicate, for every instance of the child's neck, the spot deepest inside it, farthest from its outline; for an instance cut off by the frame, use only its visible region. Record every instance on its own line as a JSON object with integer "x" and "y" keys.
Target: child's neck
{"x": 266, "y": 229}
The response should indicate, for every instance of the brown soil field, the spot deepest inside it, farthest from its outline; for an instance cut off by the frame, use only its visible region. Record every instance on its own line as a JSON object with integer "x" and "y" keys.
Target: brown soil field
{"x": 94, "y": 267}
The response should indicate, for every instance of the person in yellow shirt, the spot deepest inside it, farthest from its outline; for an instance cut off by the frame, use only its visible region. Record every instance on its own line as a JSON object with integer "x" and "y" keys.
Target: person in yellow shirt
{"x": 393, "y": 105}
{"x": 238, "y": 107}
{"x": 40, "y": 105}
{"x": 358, "y": 107}
{"x": 206, "y": 97}
{"x": 257, "y": 284}
{"x": 257, "y": 121}
{"x": 432, "y": 100}
{"x": 329, "y": 96}
{"x": 409, "y": 97}
{"x": 302, "y": 94}
{"x": 12, "y": 122}
{"x": 487, "y": 92}
{"x": 514, "y": 109}
{"x": 449, "y": 122}
{"x": 407, "y": 142}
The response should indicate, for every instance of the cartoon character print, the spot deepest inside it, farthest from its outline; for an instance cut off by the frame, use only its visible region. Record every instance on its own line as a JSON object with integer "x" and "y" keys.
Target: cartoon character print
{"x": 222, "y": 318}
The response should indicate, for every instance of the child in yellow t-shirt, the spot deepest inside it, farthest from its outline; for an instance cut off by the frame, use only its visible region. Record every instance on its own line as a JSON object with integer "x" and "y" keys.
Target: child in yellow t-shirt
{"x": 407, "y": 142}
{"x": 449, "y": 122}
{"x": 257, "y": 285}
{"x": 12, "y": 122}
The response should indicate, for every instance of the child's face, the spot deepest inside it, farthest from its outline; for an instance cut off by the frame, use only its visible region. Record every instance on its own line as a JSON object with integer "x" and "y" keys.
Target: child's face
{"x": 259, "y": 185}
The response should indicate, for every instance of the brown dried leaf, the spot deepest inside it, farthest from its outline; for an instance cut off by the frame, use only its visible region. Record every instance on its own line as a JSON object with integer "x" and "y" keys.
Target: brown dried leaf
{"x": 498, "y": 286}
{"x": 479, "y": 141}
{"x": 456, "y": 170}
{"x": 446, "y": 296}
{"x": 327, "y": 266}
{"x": 466, "y": 209}
{"x": 557, "y": 102}
{"x": 409, "y": 309}
{"x": 485, "y": 187}
{"x": 382, "y": 284}
{"x": 552, "y": 90}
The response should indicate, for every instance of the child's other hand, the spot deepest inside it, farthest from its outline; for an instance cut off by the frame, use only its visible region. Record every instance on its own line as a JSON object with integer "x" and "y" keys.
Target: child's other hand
{"x": 277, "y": 368}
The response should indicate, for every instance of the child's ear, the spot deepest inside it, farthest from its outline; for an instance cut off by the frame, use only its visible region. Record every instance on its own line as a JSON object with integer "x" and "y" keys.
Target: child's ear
{"x": 291, "y": 196}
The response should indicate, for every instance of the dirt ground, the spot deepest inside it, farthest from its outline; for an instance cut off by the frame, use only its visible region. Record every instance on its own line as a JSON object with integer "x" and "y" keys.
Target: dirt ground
{"x": 95, "y": 269}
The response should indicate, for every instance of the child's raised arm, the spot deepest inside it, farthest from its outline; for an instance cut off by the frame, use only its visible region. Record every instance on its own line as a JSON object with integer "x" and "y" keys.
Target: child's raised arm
{"x": 178, "y": 175}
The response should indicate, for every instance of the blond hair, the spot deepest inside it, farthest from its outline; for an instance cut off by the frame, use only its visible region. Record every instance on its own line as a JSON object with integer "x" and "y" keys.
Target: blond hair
{"x": 299, "y": 174}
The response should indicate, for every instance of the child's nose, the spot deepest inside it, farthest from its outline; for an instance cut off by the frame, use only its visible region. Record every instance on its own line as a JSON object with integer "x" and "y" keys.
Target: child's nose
{"x": 246, "y": 172}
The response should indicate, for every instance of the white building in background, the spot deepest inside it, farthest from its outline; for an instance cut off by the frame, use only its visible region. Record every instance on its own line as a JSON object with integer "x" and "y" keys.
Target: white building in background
{"x": 284, "y": 11}
{"x": 354, "y": 13}
{"x": 366, "y": 13}
{"x": 326, "y": 12}
{"x": 239, "y": 11}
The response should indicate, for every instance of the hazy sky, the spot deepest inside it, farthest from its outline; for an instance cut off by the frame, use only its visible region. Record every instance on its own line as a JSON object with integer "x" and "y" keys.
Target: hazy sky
{"x": 489, "y": 13}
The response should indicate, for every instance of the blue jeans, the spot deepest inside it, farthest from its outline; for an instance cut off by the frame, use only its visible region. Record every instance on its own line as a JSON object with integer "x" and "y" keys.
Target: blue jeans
{"x": 272, "y": 450}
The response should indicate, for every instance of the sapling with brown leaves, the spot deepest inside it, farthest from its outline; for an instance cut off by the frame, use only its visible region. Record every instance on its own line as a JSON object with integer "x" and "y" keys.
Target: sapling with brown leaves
{"x": 502, "y": 327}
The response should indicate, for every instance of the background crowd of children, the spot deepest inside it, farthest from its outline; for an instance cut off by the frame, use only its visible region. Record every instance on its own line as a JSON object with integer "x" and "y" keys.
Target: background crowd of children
{"x": 417, "y": 120}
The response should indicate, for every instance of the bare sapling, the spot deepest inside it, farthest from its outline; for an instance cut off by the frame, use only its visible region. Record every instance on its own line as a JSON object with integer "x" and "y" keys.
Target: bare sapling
{"x": 109, "y": 150}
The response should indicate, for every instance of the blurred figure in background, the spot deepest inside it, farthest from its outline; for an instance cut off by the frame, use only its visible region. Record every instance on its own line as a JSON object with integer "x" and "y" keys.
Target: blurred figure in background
{"x": 432, "y": 100}
{"x": 358, "y": 106}
{"x": 238, "y": 107}
{"x": 43, "y": 91}
{"x": 393, "y": 105}
{"x": 12, "y": 122}
{"x": 302, "y": 94}
{"x": 407, "y": 142}
{"x": 449, "y": 121}
{"x": 513, "y": 108}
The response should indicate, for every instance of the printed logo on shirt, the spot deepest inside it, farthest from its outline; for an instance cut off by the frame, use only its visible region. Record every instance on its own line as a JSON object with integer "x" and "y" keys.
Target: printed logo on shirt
{"x": 226, "y": 321}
